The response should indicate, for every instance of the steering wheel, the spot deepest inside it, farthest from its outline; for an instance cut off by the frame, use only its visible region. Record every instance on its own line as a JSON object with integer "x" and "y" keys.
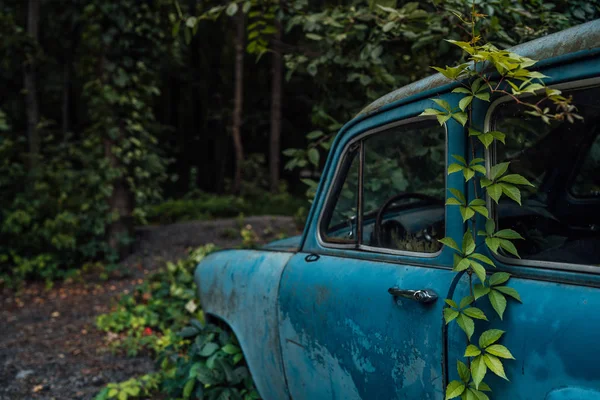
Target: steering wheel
{"x": 394, "y": 225}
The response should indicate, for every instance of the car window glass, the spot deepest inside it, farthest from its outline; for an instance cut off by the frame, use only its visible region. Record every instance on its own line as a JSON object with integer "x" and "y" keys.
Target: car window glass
{"x": 341, "y": 222}
{"x": 587, "y": 178}
{"x": 556, "y": 226}
{"x": 407, "y": 163}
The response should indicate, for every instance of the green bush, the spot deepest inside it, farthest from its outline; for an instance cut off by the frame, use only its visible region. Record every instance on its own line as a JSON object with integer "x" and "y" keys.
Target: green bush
{"x": 162, "y": 316}
{"x": 53, "y": 217}
{"x": 208, "y": 206}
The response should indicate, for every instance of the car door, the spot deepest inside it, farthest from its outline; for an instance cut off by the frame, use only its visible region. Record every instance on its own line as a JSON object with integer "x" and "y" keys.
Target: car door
{"x": 357, "y": 308}
{"x": 553, "y": 333}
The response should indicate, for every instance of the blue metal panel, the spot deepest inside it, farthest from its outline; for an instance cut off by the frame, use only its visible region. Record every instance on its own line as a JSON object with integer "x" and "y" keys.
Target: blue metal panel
{"x": 573, "y": 394}
{"x": 240, "y": 287}
{"x": 344, "y": 337}
{"x": 552, "y": 335}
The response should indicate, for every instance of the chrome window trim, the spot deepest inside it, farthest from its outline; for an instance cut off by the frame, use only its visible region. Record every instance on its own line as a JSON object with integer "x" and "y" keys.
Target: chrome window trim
{"x": 357, "y": 246}
{"x": 490, "y": 155}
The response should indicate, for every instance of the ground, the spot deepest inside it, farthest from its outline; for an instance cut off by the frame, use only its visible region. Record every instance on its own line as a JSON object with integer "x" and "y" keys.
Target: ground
{"x": 49, "y": 346}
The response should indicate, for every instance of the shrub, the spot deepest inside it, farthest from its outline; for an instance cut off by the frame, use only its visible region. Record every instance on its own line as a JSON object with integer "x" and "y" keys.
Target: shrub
{"x": 162, "y": 316}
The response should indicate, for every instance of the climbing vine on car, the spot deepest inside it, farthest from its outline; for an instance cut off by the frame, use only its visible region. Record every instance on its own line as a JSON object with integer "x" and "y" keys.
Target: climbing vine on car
{"x": 487, "y": 73}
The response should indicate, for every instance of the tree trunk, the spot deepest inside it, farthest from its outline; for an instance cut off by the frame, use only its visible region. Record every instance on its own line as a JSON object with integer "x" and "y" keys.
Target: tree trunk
{"x": 276, "y": 91}
{"x": 120, "y": 203}
{"x": 31, "y": 100}
{"x": 236, "y": 128}
{"x": 66, "y": 94}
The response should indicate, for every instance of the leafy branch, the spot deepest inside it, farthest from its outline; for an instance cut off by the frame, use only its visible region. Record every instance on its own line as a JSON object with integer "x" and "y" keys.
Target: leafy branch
{"x": 488, "y": 74}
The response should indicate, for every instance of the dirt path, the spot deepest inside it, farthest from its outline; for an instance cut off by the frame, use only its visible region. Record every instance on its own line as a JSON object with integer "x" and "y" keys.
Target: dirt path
{"x": 49, "y": 346}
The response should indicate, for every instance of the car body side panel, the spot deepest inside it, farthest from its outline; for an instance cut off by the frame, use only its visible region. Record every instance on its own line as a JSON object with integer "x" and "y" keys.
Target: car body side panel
{"x": 552, "y": 335}
{"x": 240, "y": 287}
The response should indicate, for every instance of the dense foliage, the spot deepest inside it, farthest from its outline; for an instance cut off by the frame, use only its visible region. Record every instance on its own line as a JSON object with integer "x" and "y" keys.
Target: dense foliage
{"x": 162, "y": 316}
{"x": 109, "y": 106}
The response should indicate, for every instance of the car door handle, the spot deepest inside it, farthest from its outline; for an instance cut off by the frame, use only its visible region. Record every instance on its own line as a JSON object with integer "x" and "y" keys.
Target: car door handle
{"x": 421, "y": 296}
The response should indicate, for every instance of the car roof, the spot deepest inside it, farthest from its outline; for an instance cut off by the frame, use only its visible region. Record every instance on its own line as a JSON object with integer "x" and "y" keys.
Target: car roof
{"x": 578, "y": 38}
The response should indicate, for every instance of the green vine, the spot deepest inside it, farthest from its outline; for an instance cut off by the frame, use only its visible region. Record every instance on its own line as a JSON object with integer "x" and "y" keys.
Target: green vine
{"x": 488, "y": 73}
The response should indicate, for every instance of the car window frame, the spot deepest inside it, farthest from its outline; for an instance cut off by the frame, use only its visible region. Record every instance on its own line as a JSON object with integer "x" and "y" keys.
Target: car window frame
{"x": 331, "y": 200}
{"x": 490, "y": 157}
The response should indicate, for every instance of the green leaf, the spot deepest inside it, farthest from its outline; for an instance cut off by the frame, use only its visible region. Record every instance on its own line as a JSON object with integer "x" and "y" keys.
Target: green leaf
{"x": 460, "y": 159}
{"x": 443, "y": 118}
{"x": 465, "y": 301}
{"x": 509, "y": 292}
{"x": 462, "y": 264}
{"x": 232, "y": 9}
{"x": 452, "y": 201}
{"x": 461, "y": 117}
{"x": 477, "y": 202}
{"x": 474, "y": 132}
{"x": 479, "y": 270}
{"x": 458, "y": 194}
{"x": 314, "y": 135}
{"x": 454, "y": 389}
{"x": 466, "y": 213}
{"x": 468, "y": 173}
{"x": 478, "y": 370}
{"x": 463, "y": 371}
{"x": 492, "y": 244}
{"x": 175, "y": 30}
{"x": 479, "y": 395}
{"x": 482, "y": 258}
{"x": 442, "y": 103}
{"x": 516, "y": 180}
{"x": 313, "y": 156}
{"x": 475, "y": 312}
{"x": 509, "y": 246}
{"x": 452, "y": 168}
{"x": 483, "y": 96}
{"x": 450, "y": 315}
{"x": 187, "y": 389}
{"x": 466, "y": 324}
{"x": 461, "y": 90}
{"x": 511, "y": 191}
{"x": 479, "y": 291}
{"x": 472, "y": 351}
{"x": 231, "y": 349}
{"x": 498, "y": 302}
{"x": 494, "y": 191}
{"x": 208, "y": 349}
{"x": 499, "y": 278}
{"x": 486, "y": 139}
{"x": 498, "y": 136}
{"x": 484, "y": 387}
{"x": 481, "y": 210}
{"x": 448, "y": 241}
{"x": 490, "y": 226}
{"x": 451, "y": 303}
{"x": 499, "y": 351}
{"x": 494, "y": 364}
{"x": 498, "y": 170}
{"x": 490, "y": 337}
{"x": 468, "y": 244}
{"x": 464, "y": 102}
{"x": 508, "y": 234}
{"x": 432, "y": 111}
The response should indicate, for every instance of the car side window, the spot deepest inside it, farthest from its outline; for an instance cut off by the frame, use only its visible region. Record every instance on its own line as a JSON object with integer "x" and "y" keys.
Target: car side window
{"x": 562, "y": 160}
{"x": 340, "y": 222}
{"x": 404, "y": 184}
{"x": 587, "y": 178}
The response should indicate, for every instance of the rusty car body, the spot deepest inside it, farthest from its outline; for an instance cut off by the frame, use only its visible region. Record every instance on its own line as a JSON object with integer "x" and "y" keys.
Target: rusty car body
{"x": 325, "y": 315}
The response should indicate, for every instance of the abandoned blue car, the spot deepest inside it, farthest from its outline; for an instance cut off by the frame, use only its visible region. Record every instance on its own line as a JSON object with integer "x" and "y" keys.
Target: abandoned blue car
{"x": 352, "y": 308}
